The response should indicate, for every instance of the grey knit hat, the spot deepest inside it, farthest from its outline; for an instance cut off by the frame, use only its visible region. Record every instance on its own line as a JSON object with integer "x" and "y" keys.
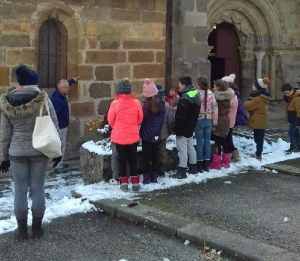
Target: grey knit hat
{"x": 124, "y": 86}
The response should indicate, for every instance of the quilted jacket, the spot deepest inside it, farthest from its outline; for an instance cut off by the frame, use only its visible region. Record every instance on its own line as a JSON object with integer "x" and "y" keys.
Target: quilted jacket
{"x": 19, "y": 111}
{"x": 125, "y": 115}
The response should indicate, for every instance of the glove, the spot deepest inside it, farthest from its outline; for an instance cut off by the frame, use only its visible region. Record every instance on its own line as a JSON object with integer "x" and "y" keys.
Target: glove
{"x": 4, "y": 166}
{"x": 56, "y": 161}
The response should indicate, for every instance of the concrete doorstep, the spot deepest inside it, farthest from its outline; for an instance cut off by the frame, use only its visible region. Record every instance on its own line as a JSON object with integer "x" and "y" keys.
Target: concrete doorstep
{"x": 231, "y": 244}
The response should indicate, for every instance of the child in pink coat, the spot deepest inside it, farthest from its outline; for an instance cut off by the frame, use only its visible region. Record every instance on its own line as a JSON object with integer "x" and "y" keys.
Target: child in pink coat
{"x": 235, "y": 157}
{"x": 125, "y": 115}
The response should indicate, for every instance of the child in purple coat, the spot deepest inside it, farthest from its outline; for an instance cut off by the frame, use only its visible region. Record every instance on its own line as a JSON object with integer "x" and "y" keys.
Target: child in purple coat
{"x": 150, "y": 131}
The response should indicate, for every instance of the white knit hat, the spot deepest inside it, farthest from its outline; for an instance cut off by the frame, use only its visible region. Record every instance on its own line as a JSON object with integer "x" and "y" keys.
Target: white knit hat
{"x": 229, "y": 78}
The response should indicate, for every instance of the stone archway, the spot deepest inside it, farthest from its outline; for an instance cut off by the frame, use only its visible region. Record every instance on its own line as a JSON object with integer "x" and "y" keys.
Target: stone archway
{"x": 259, "y": 31}
{"x": 256, "y": 21}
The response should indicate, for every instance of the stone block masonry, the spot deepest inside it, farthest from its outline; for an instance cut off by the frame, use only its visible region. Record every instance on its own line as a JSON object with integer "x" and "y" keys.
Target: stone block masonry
{"x": 106, "y": 41}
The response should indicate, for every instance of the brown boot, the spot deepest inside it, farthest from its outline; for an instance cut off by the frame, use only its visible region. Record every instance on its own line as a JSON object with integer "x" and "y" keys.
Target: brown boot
{"x": 37, "y": 230}
{"x": 235, "y": 156}
{"x": 21, "y": 232}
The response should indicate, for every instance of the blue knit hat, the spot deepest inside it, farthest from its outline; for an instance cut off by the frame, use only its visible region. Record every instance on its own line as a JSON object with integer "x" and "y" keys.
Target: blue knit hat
{"x": 124, "y": 87}
{"x": 160, "y": 90}
{"x": 26, "y": 76}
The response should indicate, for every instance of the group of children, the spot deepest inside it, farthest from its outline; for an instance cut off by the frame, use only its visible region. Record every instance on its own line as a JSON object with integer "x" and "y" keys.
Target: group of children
{"x": 210, "y": 114}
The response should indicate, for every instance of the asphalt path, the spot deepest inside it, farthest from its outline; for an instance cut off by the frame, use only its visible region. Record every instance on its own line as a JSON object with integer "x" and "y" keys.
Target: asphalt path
{"x": 96, "y": 236}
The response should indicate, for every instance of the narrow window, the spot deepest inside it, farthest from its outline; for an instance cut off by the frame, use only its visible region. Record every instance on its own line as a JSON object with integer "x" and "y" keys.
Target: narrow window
{"x": 52, "y": 53}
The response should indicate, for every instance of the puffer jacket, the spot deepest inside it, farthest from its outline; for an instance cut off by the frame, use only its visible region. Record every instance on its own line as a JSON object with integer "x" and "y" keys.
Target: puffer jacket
{"x": 223, "y": 99}
{"x": 233, "y": 110}
{"x": 19, "y": 111}
{"x": 258, "y": 109}
{"x": 152, "y": 124}
{"x": 187, "y": 112}
{"x": 125, "y": 115}
{"x": 293, "y": 108}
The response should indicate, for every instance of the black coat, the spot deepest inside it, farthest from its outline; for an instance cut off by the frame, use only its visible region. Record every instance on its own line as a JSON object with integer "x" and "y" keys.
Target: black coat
{"x": 187, "y": 113}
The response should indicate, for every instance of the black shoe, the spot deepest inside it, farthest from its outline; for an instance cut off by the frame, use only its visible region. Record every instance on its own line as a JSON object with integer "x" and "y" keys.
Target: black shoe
{"x": 161, "y": 174}
{"x": 206, "y": 165}
{"x": 181, "y": 173}
{"x": 200, "y": 166}
{"x": 291, "y": 150}
{"x": 193, "y": 169}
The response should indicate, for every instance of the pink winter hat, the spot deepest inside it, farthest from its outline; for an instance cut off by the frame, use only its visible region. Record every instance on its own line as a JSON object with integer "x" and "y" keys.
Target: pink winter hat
{"x": 149, "y": 88}
{"x": 229, "y": 78}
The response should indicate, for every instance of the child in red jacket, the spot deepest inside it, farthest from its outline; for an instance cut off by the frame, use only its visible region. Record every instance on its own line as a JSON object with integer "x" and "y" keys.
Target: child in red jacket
{"x": 125, "y": 115}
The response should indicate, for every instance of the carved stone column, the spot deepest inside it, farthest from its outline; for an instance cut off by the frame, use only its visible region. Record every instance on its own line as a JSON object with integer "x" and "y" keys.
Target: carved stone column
{"x": 259, "y": 57}
{"x": 247, "y": 73}
{"x": 273, "y": 55}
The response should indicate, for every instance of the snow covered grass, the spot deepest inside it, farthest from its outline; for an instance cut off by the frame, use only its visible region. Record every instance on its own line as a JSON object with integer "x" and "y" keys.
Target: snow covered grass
{"x": 60, "y": 203}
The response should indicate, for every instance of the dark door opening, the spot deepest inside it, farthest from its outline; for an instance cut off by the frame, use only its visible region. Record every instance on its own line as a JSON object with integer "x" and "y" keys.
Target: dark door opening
{"x": 224, "y": 57}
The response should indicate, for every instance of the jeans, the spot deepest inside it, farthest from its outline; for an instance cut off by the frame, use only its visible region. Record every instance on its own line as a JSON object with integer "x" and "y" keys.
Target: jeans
{"x": 63, "y": 136}
{"x": 202, "y": 133}
{"x": 186, "y": 151}
{"x": 128, "y": 153}
{"x": 29, "y": 172}
{"x": 259, "y": 136}
{"x": 294, "y": 135}
{"x": 150, "y": 155}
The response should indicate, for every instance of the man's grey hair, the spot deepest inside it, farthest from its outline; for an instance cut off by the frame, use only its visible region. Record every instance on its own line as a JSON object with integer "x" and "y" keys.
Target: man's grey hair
{"x": 61, "y": 82}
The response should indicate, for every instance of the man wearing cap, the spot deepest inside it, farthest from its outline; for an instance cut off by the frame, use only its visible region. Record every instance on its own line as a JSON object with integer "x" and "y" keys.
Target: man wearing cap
{"x": 60, "y": 103}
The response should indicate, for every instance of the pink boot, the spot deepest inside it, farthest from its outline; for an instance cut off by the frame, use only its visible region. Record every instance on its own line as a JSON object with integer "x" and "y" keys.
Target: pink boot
{"x": 226, "y": 160}
{"x": 216, "y": 162}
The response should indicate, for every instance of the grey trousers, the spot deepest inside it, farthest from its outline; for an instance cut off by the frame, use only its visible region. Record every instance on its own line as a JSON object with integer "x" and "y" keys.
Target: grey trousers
{"x": 186, "y": 151}
{"x": 63, "y": 136}
{"x": 115, "y": 162}
{"x": 29, "y": 172}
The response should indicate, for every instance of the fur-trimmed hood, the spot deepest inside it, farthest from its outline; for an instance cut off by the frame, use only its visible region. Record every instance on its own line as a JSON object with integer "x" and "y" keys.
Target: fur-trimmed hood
{"x": 226, "y": 95}
{"x": 25, "y": 110}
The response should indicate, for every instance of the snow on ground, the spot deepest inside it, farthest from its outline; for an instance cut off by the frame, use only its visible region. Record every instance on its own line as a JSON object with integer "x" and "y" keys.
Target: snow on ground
{"x": 60, "y": 203}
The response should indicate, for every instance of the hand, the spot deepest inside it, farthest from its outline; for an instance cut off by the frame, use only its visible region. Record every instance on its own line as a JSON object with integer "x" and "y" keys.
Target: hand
{"x": 76, "y": 78}
{"x": 178, "y": 137}
{"x": 56, "y": 161}
{"x": 213, "y": 128}
{"x": 4, "y": 166}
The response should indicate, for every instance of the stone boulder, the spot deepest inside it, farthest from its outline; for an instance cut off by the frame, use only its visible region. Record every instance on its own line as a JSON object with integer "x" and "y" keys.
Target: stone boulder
{"x": 96, "y": 168}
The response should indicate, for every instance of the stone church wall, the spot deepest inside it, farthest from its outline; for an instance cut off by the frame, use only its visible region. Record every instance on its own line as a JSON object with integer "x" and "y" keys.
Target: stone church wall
{"x": 112, "y": 39}
{"x": 107, "y": 41}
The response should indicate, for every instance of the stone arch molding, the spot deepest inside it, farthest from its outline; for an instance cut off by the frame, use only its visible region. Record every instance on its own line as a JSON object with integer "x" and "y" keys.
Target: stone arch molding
{"x": 256, "y": 21}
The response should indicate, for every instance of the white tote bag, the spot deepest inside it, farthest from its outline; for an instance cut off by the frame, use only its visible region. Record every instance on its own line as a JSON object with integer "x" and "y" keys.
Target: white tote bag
{"x": 45, "y": 137}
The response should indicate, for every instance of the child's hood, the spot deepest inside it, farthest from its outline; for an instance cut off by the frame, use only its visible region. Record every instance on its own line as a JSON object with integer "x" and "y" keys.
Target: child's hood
{"x": 266, "y": 99}
{"x": 225, "y": 95}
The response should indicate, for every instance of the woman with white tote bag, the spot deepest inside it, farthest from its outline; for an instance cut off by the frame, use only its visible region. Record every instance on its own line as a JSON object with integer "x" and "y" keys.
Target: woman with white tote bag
{"x": 20, "y": 110}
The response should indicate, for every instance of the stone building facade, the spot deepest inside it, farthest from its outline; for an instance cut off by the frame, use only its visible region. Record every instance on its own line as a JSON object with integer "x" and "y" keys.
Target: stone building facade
{"x": 106, "y": 40}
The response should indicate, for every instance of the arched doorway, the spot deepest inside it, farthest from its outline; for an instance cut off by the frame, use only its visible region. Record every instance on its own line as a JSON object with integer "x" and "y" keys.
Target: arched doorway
{"x": 224, "y": 56}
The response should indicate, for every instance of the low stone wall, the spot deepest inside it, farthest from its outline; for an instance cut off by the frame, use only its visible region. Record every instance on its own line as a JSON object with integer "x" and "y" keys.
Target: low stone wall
{"x": 96, "y": 168}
